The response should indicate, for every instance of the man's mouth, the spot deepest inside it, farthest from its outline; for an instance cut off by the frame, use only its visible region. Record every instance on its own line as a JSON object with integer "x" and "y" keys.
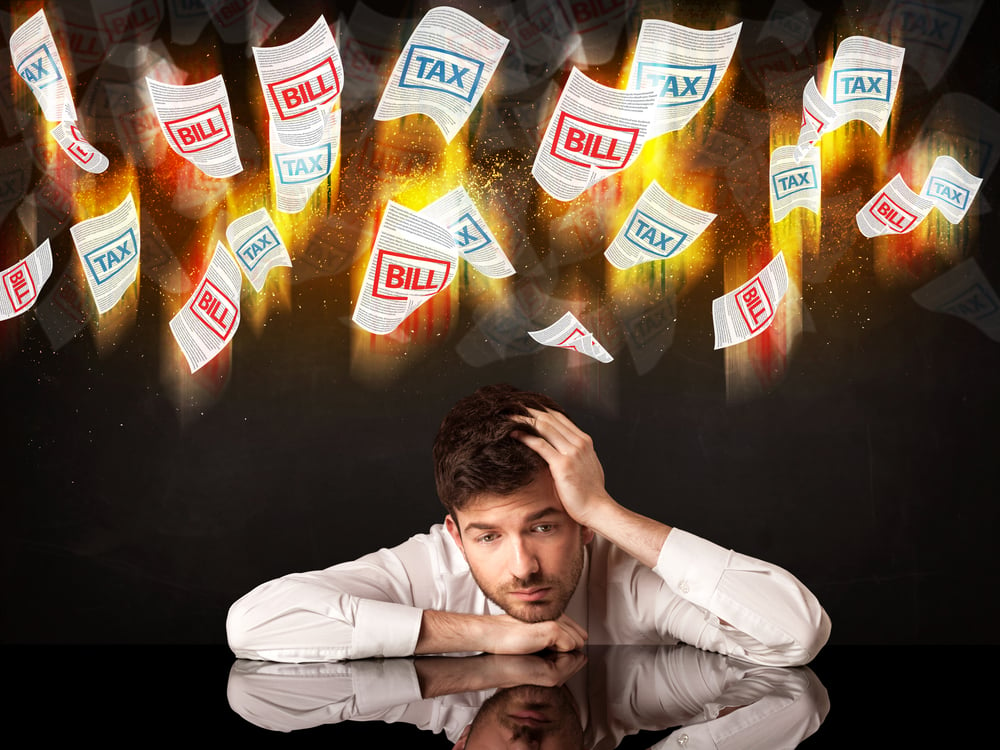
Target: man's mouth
{"x": 531, "y": 595}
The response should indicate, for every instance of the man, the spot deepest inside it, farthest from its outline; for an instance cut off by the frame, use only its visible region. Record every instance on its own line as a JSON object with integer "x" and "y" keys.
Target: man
{"x": 534, "y": 554}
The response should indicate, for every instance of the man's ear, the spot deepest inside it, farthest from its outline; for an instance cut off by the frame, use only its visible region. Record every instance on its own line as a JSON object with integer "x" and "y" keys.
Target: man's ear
{"x": 452, "y": 526}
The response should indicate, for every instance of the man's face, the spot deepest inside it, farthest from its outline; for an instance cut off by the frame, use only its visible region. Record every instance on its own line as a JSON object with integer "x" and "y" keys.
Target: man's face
{"x": 527, "y": 716}
{"x": 524, "y": 550}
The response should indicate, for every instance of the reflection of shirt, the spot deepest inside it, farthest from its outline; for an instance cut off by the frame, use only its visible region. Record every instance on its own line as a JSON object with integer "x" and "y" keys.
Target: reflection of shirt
{"x": 698, "y": 593}
{"x": 716, "y": 701}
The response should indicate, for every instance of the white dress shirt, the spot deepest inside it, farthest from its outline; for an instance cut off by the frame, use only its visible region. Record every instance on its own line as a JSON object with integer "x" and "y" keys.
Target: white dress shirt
{"x": 698, "y": 593}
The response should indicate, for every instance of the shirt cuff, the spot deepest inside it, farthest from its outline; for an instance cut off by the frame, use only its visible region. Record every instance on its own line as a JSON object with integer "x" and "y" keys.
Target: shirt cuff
{"x": 381, "y": 685}
{"x": 385, "y": 629}
{"x": 692, "y": 566}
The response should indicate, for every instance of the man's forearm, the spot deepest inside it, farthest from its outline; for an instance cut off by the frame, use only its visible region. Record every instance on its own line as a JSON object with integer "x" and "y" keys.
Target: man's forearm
{"x": 638, "y": 535}
{"x": 452, "y": 632}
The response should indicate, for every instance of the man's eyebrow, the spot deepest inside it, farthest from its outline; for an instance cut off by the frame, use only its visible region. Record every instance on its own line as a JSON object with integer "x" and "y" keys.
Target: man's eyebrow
{"x": 543, "y": 513}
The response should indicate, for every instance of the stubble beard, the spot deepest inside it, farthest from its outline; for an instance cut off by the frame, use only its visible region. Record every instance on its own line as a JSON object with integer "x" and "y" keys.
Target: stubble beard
{"x": 561, "y": 591}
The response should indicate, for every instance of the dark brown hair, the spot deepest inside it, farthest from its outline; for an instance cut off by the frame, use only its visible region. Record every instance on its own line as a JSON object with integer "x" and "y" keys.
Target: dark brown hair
{"x": 474, "y": 452}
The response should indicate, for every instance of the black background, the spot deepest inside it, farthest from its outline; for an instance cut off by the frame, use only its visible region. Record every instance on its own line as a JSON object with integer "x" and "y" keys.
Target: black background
{"x": 132, "y": 515}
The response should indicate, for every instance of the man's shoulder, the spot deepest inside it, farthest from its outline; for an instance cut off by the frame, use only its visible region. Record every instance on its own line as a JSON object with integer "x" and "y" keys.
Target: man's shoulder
{"x": 435, "y": 548}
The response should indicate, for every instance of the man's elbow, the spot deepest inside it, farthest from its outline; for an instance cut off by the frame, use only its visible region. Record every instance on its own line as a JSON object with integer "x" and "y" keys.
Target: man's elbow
{"x": 240, "y": 631}
{"x": 813, "y": 638}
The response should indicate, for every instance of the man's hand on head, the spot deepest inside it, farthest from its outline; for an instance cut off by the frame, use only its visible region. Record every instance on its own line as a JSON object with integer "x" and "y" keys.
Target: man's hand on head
{"x": 569, "y": 452}
{"x": 579, "y": 481}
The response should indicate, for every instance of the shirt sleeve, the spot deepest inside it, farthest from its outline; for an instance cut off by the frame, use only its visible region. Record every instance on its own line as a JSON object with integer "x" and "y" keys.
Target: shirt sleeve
{"x": 723, "y": 601}
{"x": 355, "y": 610}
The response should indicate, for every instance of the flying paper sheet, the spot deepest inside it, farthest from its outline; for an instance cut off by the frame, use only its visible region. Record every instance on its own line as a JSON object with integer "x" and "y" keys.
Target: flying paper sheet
{"x": 595, "y": 131}
{"x": 682, "y": 66}
{"x": 198, "y": 124}
{"x": 78, "y": 148}
{"x": 443, "y": 70}
{"x": 257, "y": 246}
{"x": 749, "y": 310}
{"x": 964, "y": 291}
{"x": 413, "y": 258}
{"x": 473, "y": 238}
{"x": 933, "y": 31}
{"x": 951, "y": 188}
{"x": 569, "y": 333}
{"x": 297, "y": 172}
{"x": 793, "y": 183}
{"x": 23, "y": 280}
{"x": 300, "y": 79}
{"x": 864, "y": 80}
{"x": 108, "y": 246}
{"x": 862, "y": 85}
{"x": 818, "y": 118}
{"x": 895, "y": 209}
{"x": 209, "y": 319}
{"x": 658, "y": 227}
{"x": 36, "y": 59}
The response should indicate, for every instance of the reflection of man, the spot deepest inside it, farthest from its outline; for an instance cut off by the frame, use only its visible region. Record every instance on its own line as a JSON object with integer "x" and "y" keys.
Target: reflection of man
{"x": 533, "y": 554}
{"x": 581, "y": 699}
{"x": 526, "y": 716}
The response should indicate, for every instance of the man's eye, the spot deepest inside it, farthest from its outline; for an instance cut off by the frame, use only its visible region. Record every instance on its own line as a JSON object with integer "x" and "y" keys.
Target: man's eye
{"x": 486, "y": 538}
{"x": 544, "y": 527}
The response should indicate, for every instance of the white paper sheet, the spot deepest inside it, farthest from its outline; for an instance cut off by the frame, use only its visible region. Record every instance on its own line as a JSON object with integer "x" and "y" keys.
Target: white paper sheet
{"x": 747, "y": 312}
{"x": 77, "y": 148}
{"x": 297, "y": 172}
{"x": 658, "y": 227}
{"x": 301, "y": 80}
{"x": 36, "y": 59}
{"x": 197, "y": 122}
{"x": 569, "y": 333}
{"x": 21, "y": 283}
{"x": 818, "y": 118}
{"x": 257, "y": 245}
{"x": 209, "y": 319}
{"x": 412, "y": 259}
{"x": 895, "y": 209}
{"x": 794, "y": 183}
{"x": 864, "y": 79}
{"x": 108, "y": 246}
{"x": 964, "y": 291}
{"x": 594, "y": 132}
{"x": 683, "y": 66}
{"x": 473, "y": 238}
{"x": 443, "y": 70}
{"x": 951, "y": 188}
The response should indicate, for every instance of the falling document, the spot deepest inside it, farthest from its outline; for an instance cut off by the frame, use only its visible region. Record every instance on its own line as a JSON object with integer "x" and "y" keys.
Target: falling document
{"x": 793, "y": 183}
{"x": 473, "y": 238}
{"x": 594, "y": 132}
{"x": 23, "y": 281}
{"x": 412, "y": 259}
{"x": 209, "y": 319}
{"x": 569, "y": 333}
{"x": 895, "y": 209}
{"x": 297, "y": 172}
{"x": 658, "y": 227}
{"x": 257, "y": 246}
{"x": 682, "y": 66}
{"x": 301, "y": 80}
{"x": 746, "y": 312}
{"x": 72, "y": 142}
{"x": 108, "y": 246}
{"x": 443, "y": 70}
{"x": 198, "y": 124}
{"x": 36, "y": 59}
{"x": 951, "y": 188}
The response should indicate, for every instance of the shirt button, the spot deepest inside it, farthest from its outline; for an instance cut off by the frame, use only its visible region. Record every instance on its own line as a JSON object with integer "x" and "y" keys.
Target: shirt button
{"x": 684, "y": 588}
{"x": 682, "y": 740}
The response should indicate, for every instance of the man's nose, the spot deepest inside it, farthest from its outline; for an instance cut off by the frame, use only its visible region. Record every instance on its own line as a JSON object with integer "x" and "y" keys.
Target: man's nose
{"x": 523, "y": 560}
